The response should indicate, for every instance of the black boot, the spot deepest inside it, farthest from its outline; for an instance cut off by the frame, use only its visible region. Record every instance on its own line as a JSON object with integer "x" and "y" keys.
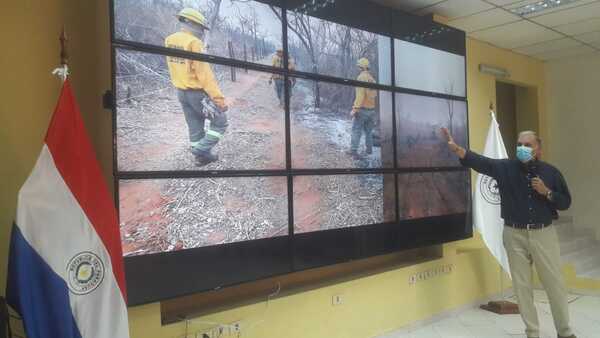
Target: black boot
{"x": 353, "y": 154}
{"x": 204, "y": 157}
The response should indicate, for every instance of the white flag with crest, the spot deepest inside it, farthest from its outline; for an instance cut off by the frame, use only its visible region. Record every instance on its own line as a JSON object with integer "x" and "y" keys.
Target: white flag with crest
{"x": 486, "y": 202}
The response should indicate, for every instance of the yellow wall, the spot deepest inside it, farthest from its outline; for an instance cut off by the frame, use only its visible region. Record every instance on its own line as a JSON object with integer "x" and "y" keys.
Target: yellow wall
{"x": 372, "y": 305}
{"x": 30, "y": 30}
{"x": 573, "y": 113}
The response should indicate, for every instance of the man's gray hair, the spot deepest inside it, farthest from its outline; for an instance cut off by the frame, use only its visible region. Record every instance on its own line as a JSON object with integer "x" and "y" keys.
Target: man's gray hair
{"x": 532, "y": 133}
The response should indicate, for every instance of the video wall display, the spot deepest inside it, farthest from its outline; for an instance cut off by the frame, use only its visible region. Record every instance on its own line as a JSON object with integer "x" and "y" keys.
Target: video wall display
{"x": 229, "y": 164}
{"x": 339, "y": 126}
{"x": 418, "y": 123}
{"x": 161, "y": 215}
{"x": 427, "y": 69}
{"x": 248, "y": 31}
{"x": 165, "y": 120}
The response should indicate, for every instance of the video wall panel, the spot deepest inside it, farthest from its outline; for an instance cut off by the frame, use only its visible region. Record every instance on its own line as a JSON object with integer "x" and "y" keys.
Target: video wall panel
{"x": 323, "y": 47}
{"x": 427, "y": 69}
{"x": 419, "y": 119}
{"x": 330, "y": 128}
{"x": 340, "y": 201}
{"x": 247, "y": 31}
{"x": 163, "y": 215}
{"x": 158, "y": 123}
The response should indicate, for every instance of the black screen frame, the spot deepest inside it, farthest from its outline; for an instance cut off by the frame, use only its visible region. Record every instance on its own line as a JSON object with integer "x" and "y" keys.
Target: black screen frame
{"x": 150, "y": 277}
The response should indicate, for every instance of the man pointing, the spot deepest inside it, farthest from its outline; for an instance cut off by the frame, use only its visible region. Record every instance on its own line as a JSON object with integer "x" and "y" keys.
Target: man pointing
{"x": 531, "y": 192}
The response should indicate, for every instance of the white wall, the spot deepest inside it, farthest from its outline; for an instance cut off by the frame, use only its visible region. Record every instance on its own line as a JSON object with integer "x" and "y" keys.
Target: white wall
{"x": 573, "y": 121}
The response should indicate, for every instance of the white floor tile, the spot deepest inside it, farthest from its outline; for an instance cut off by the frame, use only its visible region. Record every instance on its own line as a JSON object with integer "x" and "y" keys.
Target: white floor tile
{"x": 425, "y": 332}
{"x": 587, "y": 306}
{"x": 477, "y": 323}
{"x": 510, "y": 324}
{"x": 490, "y": 331}
{"x": 585, "y": 325}
{"x": 452, "y": 328}
{"x": 395, "y": 335}
{"x": 475, "y": 317}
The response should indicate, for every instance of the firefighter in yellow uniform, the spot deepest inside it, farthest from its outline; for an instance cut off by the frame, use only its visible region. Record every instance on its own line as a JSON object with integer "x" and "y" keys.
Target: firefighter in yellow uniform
{"x": 363, "y": 111}
{"x": 279, "y": 79}
{"x": 196, "y": 83}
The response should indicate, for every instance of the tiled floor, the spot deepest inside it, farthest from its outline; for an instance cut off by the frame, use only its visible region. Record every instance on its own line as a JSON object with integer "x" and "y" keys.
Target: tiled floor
{"x": 476, "y": 323}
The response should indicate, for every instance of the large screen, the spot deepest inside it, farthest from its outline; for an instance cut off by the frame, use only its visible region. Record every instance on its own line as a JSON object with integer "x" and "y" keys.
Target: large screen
{"x": 177, "y": 214}
{"x": 328, "y": 132}
{"x": 339, "y": 201}
{"x": 260, "y": 138}
{"x": 242, "y": 30}
{"x": 324, "y": 47}
{"x": 427, "y": 69}
{"x": 419, "y": 119}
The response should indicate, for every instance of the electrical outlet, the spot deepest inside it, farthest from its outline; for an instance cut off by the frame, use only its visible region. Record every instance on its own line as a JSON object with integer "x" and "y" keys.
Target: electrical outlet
{"x": 337, "y": 300}
{"x": 236, "y": 327}
{"x": 431, "y": 273}
{"x": 221, "y": 331}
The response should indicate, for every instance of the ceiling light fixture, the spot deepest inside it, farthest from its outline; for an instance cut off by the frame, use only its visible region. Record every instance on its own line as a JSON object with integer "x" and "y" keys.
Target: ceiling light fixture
{"x": 540, "y": 6}
{"x": 494, "y": 70}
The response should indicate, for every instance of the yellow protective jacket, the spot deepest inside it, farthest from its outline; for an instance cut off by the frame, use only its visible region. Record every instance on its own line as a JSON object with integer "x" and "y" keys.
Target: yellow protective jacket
{"x": 278, "y": 63}
{"x": 192, "y": 74}
{"x": 365, "y": 97}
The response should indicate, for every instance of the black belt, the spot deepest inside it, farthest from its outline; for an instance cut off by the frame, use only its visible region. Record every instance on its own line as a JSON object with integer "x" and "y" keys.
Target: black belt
{"x": 530, "y": 226}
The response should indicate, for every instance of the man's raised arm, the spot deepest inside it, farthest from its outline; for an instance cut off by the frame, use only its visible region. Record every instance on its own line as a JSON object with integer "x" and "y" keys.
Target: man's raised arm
{"x": 481, "y": 164}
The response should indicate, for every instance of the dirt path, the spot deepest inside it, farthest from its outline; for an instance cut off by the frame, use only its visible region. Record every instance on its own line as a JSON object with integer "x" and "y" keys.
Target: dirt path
{"x": 143, "y": 221}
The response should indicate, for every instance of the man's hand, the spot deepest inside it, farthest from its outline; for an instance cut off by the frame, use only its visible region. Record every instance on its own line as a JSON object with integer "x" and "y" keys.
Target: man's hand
{"x": 353, "y": 112}
{"x": 458, "y": 150}
{"x": 270, "y": 81}
{"x": 540, "y": 186}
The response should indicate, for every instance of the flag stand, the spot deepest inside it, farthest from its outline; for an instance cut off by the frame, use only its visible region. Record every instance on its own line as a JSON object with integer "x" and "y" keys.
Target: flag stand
{"x": 501, "y": 307}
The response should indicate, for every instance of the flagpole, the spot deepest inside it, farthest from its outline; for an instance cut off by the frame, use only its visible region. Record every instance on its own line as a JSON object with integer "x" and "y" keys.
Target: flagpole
{"x": 63, "y": 70}
{"x": 502, "y": 306}
{"x": 503, "y": 296}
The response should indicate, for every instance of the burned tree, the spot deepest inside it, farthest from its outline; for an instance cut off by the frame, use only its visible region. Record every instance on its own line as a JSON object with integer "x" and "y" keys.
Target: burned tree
{"x": 450, "y": 104}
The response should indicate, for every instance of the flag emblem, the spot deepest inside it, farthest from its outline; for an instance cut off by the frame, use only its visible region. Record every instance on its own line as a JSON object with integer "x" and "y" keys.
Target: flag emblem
{"x": 489, "y": 190}
{"x": 86, "y": 272}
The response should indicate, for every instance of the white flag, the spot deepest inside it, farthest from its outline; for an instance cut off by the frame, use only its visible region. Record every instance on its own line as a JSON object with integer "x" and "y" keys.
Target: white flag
{"x": 486, "y": 202}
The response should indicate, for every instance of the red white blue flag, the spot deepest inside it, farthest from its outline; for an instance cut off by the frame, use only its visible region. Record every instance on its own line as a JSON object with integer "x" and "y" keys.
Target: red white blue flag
{"x": 65, "y": 273}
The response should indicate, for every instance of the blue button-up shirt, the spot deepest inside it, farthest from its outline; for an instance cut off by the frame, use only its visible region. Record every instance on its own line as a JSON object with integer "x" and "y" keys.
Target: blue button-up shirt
{"x": 520, "y": 203}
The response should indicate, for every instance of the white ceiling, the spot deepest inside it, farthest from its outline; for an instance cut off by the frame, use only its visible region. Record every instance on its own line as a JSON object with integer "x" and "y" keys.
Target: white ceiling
{"x": 567, "y": 30}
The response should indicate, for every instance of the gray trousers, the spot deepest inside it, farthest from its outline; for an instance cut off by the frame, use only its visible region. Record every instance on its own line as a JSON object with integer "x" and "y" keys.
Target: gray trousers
{"x": 364, "y": 122}
{"x": 540, "y": 247}
{"x": 192, "y": 102}
{"x": 280, "y": 89}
